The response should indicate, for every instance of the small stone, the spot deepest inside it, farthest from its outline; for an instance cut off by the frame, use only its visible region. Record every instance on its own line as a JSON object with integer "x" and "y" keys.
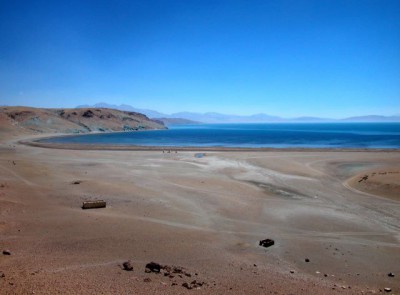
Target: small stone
{"x": 387, "y": 289}
{"x": 187, "y": 286}
{"x": 390, "y": 274}
{"x": 6, "y": 252}
{"x": 147, "y": 280}
{"x": 127, "y": 265}
{"x": 325, "y": 275}
{"x": 307, "y": 260}
{"x": 266, "y": 243}
{"x": 2, "y": 275}
{"x": 153, "y": 267}
{"x": 292, "y": 271}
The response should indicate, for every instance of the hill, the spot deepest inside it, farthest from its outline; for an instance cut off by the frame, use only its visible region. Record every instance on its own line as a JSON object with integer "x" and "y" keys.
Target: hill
{"x": 27, "y": 120}
{"x": 212, "y": 117}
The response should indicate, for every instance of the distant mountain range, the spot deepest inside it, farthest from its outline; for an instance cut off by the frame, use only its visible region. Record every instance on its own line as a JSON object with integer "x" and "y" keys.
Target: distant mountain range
{"x": 193, "y": 118}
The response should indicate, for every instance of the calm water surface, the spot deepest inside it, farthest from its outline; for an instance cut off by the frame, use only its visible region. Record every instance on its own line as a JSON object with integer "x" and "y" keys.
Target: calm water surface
{"x": 282, "y": 135}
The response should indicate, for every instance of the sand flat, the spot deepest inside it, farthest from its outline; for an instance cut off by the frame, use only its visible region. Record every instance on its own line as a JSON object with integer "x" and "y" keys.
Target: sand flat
{"x": 205, "y": 214}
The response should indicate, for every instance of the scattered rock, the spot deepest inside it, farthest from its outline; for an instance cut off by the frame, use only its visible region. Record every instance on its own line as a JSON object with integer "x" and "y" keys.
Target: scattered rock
{"x": 307, "y": 260}
{"x": 174, "y": 273}
{"x": 292, "y": 271}
{"x": 193, "y": 285}
{"x": 153, "y": 267}
{"x": 127, "y": 265}
{"x": 390, "y": 274}
{"x": 266, "y": 243}
{"x": 6, "y": 252}
{"x": 147, "y": 280}
{"x": 387, "y": 289}
{"x": 2, "y": 275}
{"x": 76, "y": 182}
{"x": 88, "y": 114}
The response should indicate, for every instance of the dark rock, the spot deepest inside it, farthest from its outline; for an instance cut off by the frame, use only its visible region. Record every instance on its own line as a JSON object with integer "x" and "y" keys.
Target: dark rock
{"x": 147, "y": 280}
{"x": 307, "y": 260}
{"x": 387, "y": 290}
{"x": 390, "y": 274}
{"x": 153, "y": 267}
{"x": 76, "y": 182}
{"x": 266, "y": 243}
{"x": 2, "y": 275}
{"x": 6, "y": 252}
{"x": 177, "y": 269}
{"x": 88, "y": 114}
{"x": 187, "y": 286}
{"x": 94, "y": 204}
{"x": 127, "y": 265}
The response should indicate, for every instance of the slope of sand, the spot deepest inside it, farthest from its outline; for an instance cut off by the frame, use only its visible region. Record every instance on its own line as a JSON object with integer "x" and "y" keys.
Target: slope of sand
{"x": 384, "y": 181}
{"x": 204, "y": 214}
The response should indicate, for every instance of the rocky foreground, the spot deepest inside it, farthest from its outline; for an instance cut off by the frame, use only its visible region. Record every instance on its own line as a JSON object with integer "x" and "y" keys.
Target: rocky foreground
{"x": 26, "y": 120}
{"x": 191, "y": 222}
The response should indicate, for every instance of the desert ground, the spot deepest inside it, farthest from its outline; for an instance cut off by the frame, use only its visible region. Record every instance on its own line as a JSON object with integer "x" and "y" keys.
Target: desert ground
{"x": 205, "y": 214}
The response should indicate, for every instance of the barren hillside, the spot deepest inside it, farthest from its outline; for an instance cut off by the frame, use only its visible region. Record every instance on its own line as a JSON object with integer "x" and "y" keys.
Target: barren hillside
{"x": 25, "y": 120}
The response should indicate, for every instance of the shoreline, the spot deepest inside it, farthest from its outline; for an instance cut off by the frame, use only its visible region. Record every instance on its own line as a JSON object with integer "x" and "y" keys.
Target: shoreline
{"x": 36, "y": 142}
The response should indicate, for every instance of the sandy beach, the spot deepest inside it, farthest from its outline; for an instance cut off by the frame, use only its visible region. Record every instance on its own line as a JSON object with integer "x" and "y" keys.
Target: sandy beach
{"x": 206, "y": 214}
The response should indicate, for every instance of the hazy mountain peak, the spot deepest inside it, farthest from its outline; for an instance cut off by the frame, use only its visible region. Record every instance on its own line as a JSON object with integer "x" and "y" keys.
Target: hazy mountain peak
{"x": 215, "y": 117}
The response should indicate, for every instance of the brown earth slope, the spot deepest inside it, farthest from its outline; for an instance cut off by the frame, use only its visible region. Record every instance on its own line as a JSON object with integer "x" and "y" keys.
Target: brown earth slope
{"x": 26, "y": 120}
{"x": 384, "y": 182}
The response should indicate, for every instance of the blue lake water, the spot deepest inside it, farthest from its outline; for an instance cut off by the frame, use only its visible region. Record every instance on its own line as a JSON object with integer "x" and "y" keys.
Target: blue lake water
{"x": 282, "y": 135}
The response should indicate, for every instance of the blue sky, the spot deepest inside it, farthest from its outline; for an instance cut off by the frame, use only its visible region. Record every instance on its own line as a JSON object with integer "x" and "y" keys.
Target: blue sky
{"x": 287, "y": 58}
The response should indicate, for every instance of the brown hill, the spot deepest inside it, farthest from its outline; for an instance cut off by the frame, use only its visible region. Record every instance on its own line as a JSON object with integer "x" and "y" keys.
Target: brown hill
{"x": 26, "y": 120}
